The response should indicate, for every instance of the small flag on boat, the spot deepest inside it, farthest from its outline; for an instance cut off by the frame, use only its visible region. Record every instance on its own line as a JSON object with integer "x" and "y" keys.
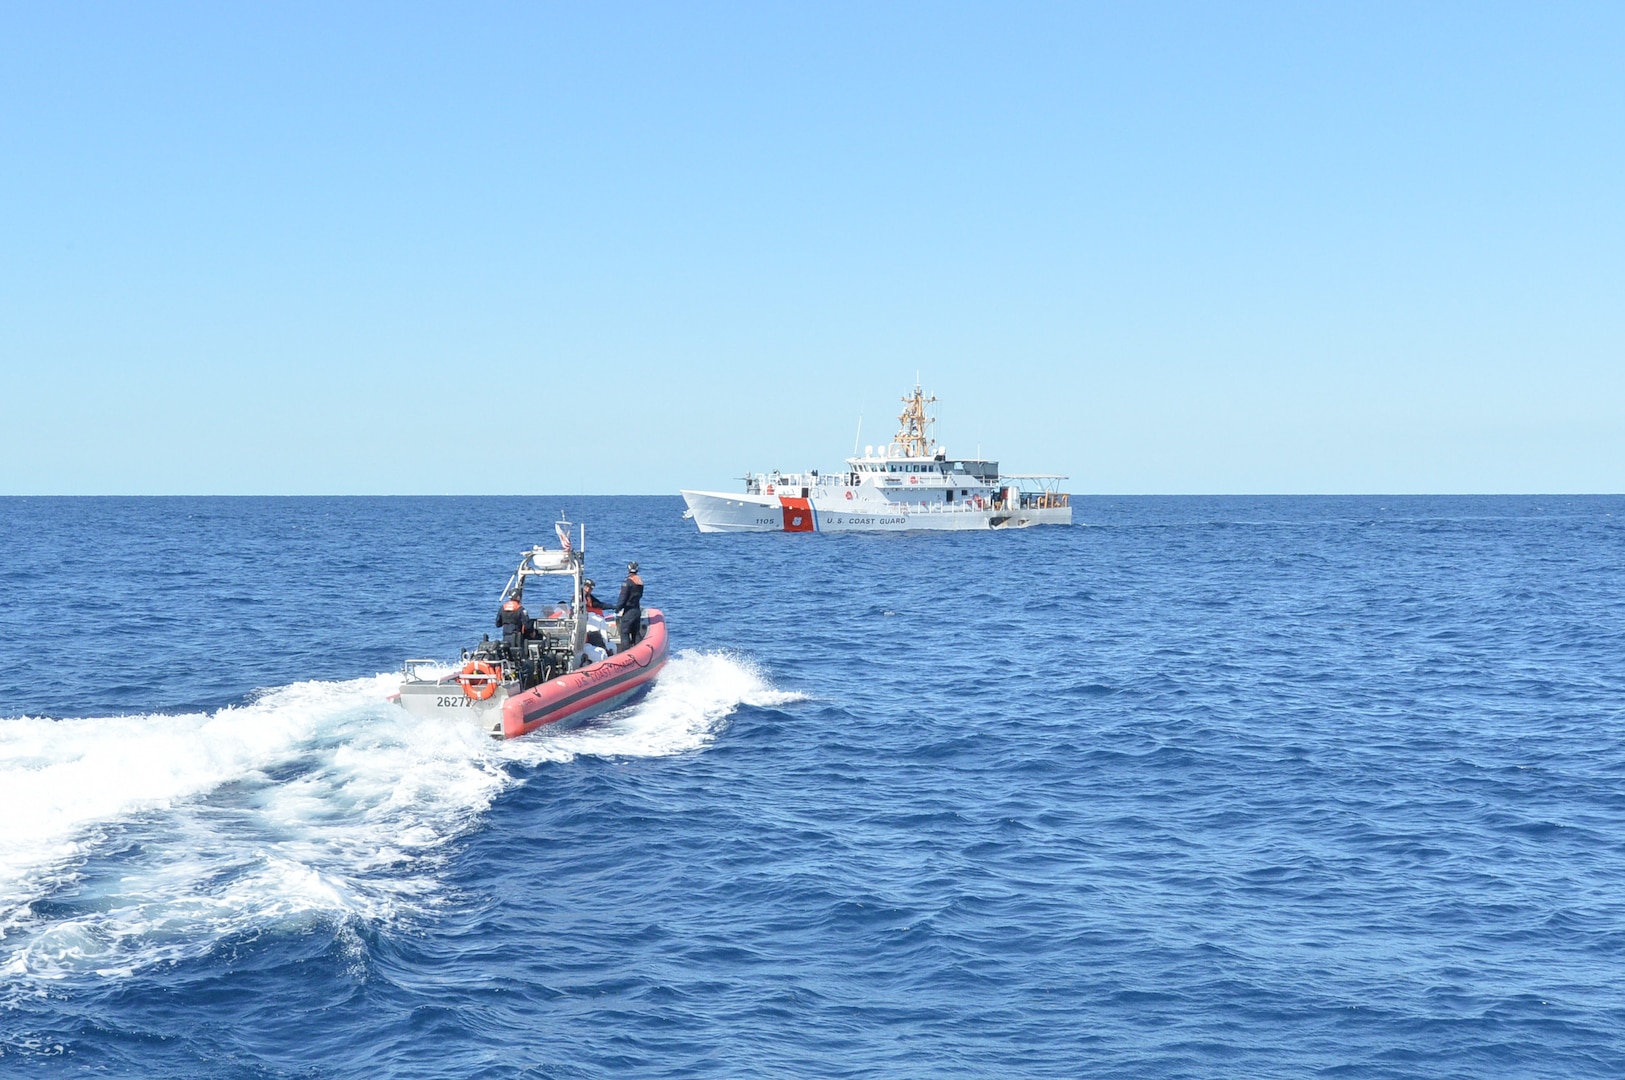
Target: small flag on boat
{"x": 564, "y": 535}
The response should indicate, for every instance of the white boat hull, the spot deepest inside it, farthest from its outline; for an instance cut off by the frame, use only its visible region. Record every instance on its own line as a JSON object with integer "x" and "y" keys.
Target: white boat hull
{"x": 715, "y": 511}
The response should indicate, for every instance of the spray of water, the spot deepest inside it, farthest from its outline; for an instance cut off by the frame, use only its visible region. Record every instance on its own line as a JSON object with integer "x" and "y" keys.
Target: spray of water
{"x": 162, "y": 834}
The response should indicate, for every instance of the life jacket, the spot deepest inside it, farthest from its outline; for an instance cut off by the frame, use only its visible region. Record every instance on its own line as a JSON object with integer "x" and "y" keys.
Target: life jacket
{"x": 633, "y": 592}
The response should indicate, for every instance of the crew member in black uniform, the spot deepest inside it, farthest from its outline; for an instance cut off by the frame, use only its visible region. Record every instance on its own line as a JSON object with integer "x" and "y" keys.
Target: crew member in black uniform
{"x": 629, "y": 608}
{"x": 512, "y": 621}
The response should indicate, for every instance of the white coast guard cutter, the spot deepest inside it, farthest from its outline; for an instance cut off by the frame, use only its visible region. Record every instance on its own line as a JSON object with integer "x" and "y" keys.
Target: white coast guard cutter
{"x": 911, "y": 483}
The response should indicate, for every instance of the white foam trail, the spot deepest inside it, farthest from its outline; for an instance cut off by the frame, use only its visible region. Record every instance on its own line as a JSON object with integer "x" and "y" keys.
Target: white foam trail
{"x": 319, "y": 801}
{"x": 683, "y": 712}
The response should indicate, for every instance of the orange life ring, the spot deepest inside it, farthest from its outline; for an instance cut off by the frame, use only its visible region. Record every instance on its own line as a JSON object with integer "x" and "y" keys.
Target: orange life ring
{"x": 479, "y": 679}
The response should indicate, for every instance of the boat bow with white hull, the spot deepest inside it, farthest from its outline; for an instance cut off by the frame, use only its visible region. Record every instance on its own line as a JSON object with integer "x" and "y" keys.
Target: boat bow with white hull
{"x": 911, "y": 483}
{"x": 559, "y": 669}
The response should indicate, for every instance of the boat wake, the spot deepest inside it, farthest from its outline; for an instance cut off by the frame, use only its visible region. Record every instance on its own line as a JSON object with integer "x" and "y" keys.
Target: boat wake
{"x": 683, "y": 712}
{"x": 136, "y": 840}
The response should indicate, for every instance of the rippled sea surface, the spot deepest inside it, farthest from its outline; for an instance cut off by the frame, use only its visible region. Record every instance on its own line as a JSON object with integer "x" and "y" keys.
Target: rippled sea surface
{"x": 1198, "y": 787}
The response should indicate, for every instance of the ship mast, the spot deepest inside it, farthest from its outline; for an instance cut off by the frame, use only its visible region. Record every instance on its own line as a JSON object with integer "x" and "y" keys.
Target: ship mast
{"x": 914, "y": 426}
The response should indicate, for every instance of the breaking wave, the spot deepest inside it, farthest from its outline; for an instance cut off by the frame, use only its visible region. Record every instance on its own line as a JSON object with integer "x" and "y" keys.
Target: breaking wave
{"x": 133, "y": 840}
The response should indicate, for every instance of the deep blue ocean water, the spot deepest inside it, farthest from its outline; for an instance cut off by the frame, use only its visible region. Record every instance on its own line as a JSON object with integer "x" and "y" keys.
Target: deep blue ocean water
{"x": 1253, "y": 787}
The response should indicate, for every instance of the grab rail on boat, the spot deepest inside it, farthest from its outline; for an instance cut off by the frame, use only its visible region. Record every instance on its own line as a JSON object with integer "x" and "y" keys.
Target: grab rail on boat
{"x": 411, "y": 669}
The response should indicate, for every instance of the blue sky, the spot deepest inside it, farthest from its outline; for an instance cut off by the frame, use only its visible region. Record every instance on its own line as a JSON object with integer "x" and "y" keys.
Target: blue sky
{"x": 1159, "y": 247}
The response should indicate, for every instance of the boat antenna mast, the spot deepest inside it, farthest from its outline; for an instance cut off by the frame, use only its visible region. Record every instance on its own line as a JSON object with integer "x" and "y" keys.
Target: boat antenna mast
{"x": 914, "y": 426}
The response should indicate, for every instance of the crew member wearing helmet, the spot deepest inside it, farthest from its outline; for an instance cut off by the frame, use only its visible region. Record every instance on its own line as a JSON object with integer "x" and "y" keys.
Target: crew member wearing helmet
{"x": 629, "y": 608}
{"x": 511, "y": 618}
{"x": 589, "y": 602}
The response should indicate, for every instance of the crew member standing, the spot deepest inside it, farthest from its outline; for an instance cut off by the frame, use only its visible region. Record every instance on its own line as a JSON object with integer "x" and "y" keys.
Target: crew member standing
{"x": 512, "y": 621}
{"x": 629, "y": 608}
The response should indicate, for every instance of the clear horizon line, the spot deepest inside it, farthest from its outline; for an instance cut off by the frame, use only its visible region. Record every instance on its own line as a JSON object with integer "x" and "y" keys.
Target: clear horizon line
{"x": 676, "y": 495}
